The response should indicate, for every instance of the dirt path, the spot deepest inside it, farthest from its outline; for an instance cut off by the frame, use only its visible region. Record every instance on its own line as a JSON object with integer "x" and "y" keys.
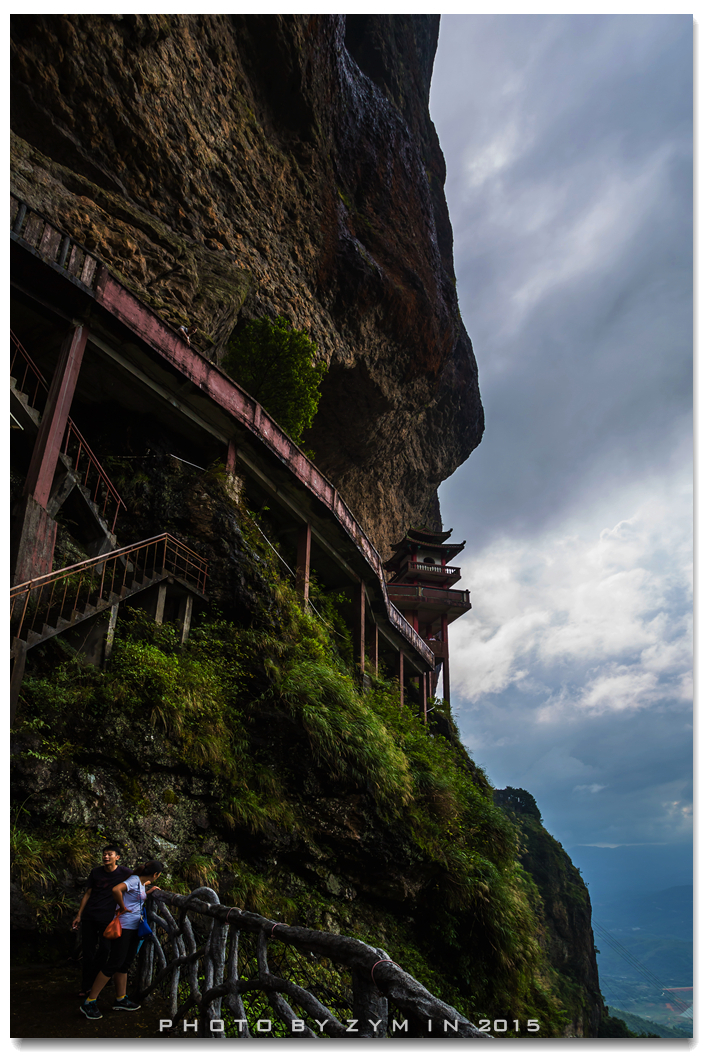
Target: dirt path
{"x": 45, "y": 1004}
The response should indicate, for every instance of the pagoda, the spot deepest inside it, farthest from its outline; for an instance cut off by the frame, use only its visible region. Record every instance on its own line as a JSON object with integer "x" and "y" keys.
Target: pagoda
{"x": 420, "y": 586}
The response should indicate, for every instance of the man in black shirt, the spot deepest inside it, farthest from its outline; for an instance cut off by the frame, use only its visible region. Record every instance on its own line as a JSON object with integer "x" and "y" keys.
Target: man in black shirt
{"x": 96, "y": 911}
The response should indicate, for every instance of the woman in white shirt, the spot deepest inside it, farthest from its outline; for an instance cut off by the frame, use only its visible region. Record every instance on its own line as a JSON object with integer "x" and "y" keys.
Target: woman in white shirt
{"x": 130, "y": 896}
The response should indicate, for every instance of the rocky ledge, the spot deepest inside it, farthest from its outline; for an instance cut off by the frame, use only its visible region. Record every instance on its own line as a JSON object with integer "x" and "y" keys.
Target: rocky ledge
{"x": 226, "y": 167}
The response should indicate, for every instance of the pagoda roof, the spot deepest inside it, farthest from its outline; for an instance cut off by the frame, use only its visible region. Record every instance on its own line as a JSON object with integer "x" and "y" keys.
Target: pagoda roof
{"x": 424, "y": 536}
{"x": 415, "y": 540}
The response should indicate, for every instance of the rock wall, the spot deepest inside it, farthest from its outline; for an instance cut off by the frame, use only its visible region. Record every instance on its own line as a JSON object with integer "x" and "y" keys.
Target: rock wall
{"x": 568, "y": 939}
{"x": 230, "y": 166}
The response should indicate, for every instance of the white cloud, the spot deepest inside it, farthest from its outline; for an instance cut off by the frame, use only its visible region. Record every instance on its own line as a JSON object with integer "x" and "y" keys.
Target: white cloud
{"x": 596, "y": 621}
{"x": 620, "y": 688}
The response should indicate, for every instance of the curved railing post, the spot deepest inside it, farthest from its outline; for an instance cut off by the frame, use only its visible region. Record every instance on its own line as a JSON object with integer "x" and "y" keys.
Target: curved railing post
{"x": 229, "y": 1003}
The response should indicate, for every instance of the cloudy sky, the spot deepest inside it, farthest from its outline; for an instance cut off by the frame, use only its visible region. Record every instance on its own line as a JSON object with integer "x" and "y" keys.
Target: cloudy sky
{"x": 569, "y": 158}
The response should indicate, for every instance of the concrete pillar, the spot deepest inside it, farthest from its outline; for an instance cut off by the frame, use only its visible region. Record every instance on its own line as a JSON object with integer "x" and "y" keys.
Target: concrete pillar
{"x": 47, "y": 447}
{"x": 16, "y": 677}
{"x": 110, "y": 635}
{"x": 359, "y": 603}
{"x": 231, "y": 459}
{"x": 423, "y": 696}
{"x": 434, "y": 678}
{"x": 445, "y": 663}
{"x": 160, "y": 604}
{"x": 36, "y": 535}
{"x": 401, "y": 676}
{"x": 373, "y": 647}
{"x": 302, "y": 570}
{"x": 185, "y": 615}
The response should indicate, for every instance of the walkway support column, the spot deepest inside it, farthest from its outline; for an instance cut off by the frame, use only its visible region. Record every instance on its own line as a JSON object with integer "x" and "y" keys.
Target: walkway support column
{"x": 110, "y": 635}
{"x": 359, "y": 599}
{"x": 401, "y": 676}
{"x": 37, "y": 529}
{"x": 302, "y": 571}
{"x": 423, "y": 696}
{"x": 373, "y": 647}
{"x": 231, "y": 459}
{"x": 18, "y": 661}
{"x": 160, "y": 604}
{"x": 47, "y": 447}
{"x": 185, "y": 616}
{"x": 445, "y": 662}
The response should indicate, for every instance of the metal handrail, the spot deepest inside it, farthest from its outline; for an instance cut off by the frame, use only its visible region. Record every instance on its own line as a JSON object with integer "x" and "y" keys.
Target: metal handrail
{"x": 64, "y": 593}
{"x": 29, "y": 367}
{"x": 73, "y": 435}
{"x": 92, "y": 463}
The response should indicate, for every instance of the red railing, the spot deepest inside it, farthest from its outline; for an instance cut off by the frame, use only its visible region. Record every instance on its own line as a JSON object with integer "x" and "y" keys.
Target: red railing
{"x": 96, "y": 583}
{"x": 29, "y": 379}
{"x": 86, "y": 465}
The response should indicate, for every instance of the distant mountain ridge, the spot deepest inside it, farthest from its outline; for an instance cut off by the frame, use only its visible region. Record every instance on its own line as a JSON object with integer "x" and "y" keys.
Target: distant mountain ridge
{"x": 667, "y": 913}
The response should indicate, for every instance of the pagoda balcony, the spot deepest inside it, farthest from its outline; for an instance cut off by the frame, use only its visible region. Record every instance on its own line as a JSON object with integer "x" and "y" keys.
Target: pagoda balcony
{"x": 424, "y": 572}
{"x": 430, "y": 602}
{"x": 439, "y": 648}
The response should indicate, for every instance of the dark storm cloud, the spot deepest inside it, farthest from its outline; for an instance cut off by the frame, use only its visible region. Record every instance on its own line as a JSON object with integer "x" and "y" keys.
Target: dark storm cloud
{"x": 568, "y": 142}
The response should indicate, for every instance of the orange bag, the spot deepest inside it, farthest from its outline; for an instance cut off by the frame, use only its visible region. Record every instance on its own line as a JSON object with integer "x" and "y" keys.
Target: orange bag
{"x": 114, "y": 928}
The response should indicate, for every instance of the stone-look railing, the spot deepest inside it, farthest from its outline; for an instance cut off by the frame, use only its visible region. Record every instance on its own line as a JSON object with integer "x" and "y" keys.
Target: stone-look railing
{"x": 220, "y": 972}
{"x": 52, "y": 244}
{"x": 29, "y": 226}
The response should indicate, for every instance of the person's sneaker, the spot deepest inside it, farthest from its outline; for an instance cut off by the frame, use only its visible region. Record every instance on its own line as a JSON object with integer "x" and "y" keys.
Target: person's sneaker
{"x": 126, "y": 1005}
{"x": 90, "y": 1010}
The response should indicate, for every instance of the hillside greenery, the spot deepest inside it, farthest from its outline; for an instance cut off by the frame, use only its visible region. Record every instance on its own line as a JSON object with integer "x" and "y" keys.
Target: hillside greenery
{"x": 265, "y": 721}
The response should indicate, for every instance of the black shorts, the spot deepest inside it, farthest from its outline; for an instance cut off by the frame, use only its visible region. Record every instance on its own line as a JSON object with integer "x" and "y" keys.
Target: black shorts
{"x": 122, "y": 952}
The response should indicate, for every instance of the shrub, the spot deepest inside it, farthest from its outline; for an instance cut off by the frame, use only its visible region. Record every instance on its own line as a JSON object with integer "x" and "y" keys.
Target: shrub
{"x": 275, "y": 363}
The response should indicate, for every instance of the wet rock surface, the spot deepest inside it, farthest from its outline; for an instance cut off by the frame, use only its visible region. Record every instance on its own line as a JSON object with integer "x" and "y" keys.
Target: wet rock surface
{"x": 227, "y": 167}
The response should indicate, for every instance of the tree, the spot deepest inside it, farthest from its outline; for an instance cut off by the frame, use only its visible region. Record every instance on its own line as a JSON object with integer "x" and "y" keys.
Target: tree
{"x": 275, "y": 363}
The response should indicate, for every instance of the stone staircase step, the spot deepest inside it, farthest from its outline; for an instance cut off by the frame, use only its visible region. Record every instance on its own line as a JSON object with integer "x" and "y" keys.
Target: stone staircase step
{"x": 36, "y": 635}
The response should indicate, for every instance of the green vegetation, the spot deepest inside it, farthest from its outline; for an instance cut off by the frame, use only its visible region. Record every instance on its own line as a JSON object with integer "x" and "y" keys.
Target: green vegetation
{"x": 275, "y": 363}
{"x": 34, "y": 859}
{"x": 292, "y": 791}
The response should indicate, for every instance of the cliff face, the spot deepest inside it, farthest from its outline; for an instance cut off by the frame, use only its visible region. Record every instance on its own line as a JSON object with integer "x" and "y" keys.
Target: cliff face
{"x": 250, "y": 759}
{"x": 229, "y": 167}
{"x": 568, "y": 938}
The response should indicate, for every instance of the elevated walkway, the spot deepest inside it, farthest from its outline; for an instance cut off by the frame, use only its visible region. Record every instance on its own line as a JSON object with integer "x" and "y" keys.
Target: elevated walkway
{"x": 138, "y": 360}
